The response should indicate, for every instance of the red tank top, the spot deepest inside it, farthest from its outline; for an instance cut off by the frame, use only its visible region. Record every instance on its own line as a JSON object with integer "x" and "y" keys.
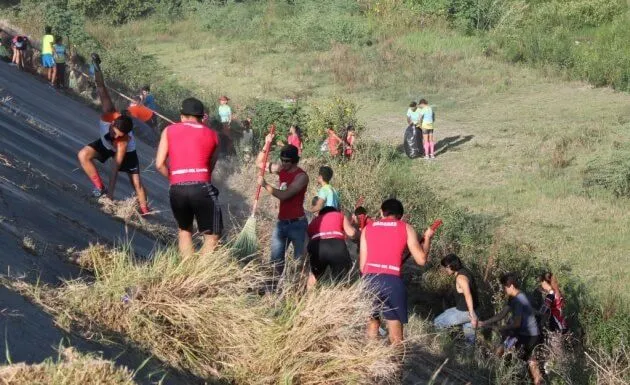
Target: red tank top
{"x": 190, "y": 148}
{"x": 292, "y": 208}
{"x": 386, "y": 242}
{"x": 327, "y": 226}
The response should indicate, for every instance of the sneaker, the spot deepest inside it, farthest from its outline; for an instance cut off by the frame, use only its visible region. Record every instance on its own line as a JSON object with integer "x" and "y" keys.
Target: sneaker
{"x": 97, "y": 193}
{"x": 432, "y": 156}
{"x": 96, "y": 62}
{"x": 145, "y": 211}
{"x": 381, "y": 331}
{"x": 426, "y": 157}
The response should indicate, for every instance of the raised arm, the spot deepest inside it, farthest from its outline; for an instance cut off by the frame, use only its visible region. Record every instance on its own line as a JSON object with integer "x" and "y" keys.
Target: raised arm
{"x": 363, "y": 250}
{"x": 420, "y": 253}
{"x": 271, "y": 167}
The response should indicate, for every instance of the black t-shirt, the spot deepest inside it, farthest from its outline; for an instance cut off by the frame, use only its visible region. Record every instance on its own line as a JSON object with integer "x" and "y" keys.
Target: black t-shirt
{"x": 460, "y": 301}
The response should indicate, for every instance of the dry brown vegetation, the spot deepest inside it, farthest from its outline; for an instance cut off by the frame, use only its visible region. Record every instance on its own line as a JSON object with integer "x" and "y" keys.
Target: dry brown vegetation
{"x": 72, "y": 369}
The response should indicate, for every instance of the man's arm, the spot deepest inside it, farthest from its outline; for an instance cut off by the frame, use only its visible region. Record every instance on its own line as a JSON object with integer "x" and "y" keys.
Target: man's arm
{"x": 464, "y": 284}
{"x": 420, "y": 253}
{"x": 121, "y": 151}
{"x": 497, "y": 317}
{"x": 296, "y": 186}
{"x": 350, "y": 231}
{"x": 318, "y": 206}
{"x": 162, "y": 154}
{"x": 271, "y": 167}
{"x": 362, "y": 252}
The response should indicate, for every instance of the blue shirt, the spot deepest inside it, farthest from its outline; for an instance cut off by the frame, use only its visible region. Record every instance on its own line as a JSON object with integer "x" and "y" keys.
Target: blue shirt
{"x": 427, "y": 114}
{"x": 414, "y": 116}
{"x": 149, "y": 101}
{"x": 521, "y": 307}
{"x": 329, "y": 195}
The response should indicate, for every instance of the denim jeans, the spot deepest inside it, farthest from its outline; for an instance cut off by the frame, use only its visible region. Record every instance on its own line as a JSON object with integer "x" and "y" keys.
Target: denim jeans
{"x": 454, "y": 317}
{"x": 286, "y": 232}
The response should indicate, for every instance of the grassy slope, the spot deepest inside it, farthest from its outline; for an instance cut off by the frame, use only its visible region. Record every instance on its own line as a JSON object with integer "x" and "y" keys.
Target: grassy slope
{"x": 532, "y": 133}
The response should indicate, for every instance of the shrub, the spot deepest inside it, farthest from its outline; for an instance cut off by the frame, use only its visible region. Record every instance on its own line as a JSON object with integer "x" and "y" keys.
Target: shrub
{"x": 611, "y": 173}
{"x": 338, "y": 111}
{"x": 268, "y": 112}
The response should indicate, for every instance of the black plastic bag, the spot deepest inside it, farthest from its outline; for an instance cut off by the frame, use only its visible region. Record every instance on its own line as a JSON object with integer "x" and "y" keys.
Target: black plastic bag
{"x": 413, "y": 142}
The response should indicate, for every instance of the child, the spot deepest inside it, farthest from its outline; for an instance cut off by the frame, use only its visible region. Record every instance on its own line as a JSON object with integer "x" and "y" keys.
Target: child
{"x": 148, "y": 100}
{"x": 349, "y": 142}
{"x": 333, "y": 141}
{"x": 247, "y": 140}
{"x": 48, "y": 61}
{"x": 327, "y": 195}
{"x": 59, "y": 70}
{"x": 295, "y": 137}
{"x": 551, "y": 310}
{"x": 225, "y": 114}
{"x": 426, "y": 123}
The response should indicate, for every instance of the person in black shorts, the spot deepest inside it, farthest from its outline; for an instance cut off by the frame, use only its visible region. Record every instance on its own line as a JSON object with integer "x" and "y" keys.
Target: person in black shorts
{"x": 117, "y": 142}
{"x": 327, "y": 244}
{"x": 522, "y": 332}
{"x": 191, "y": 149}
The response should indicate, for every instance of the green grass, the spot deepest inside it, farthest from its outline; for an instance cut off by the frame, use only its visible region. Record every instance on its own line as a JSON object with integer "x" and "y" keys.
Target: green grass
{"x": 533, "y": 134}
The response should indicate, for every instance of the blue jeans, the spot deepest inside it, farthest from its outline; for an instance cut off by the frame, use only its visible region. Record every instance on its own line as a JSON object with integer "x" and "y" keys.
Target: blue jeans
{"x": 454, "y": 317}
{"x": 285, "y": 232}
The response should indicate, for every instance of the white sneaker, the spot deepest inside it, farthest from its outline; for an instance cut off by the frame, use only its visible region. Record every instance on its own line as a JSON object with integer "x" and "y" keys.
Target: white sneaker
{"x": 426, "y": 157}
{"x": 432, "y": 156}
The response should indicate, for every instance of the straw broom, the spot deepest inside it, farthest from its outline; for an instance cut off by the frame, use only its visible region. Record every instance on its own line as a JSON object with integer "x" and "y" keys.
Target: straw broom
{"x": 246, "y": 243}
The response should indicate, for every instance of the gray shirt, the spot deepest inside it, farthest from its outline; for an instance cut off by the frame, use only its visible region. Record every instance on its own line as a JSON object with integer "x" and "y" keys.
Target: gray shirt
{"x": 521, "y": 307}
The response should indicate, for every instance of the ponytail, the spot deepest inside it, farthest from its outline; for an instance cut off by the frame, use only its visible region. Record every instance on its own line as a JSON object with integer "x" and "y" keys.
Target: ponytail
{"x": 553, "y": 281}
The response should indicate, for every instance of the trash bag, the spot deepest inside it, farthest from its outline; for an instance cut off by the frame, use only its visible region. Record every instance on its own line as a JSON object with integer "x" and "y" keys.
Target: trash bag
{"x": 412, "y": 142}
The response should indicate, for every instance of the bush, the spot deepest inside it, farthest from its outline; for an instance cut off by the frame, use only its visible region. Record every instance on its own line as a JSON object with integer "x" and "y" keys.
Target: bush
{"x": 611, "y": 173}
{"x": 338, "y": 111}
{"x": 268, "y": 112}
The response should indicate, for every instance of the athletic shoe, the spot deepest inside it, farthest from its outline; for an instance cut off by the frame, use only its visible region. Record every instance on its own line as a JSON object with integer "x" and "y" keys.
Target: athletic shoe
{"x": 96, "y": 62}
{"x": 13, "y": 64}
{"x": 145, "y": 211}
{"x": 432, "y": 156}
{"x": 97, "y": 193}
{"x": 381, "y": 331}
{"x": 426, "y": 157}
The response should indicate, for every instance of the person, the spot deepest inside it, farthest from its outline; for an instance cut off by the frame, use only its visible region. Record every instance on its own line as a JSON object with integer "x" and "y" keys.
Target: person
{"x": 59, "y": 71}
{"x": 247, "y": 140}
{"x": 20, "y": 44}
{"x": 295, "y": 138}
{"x": 413, "y": 115}
{"x": 349, "y": 141}
{"x": 291, "y": 225}
{"x": 551, "y": 309}
{"x": 117, "y": 142}
{"x": 225, "y": 115}
{"x": 333, "y": 141}
{"x": 47, "y": 53}
{"x": 426, "y": 124}
{"x": 522, "y": 331}
{"x": 191, "y": 149}
{"x": 383, "y": 243}
{"x": 360, "y": 218}
{"x": 466, "y": 301}
{"x": 327, "y": 195}
{"x": 327, "y": 244}
{"x": 148, "y": 100}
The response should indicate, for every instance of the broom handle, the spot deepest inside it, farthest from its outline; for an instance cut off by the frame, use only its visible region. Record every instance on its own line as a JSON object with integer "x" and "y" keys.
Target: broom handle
{"x": 272, "y": 130}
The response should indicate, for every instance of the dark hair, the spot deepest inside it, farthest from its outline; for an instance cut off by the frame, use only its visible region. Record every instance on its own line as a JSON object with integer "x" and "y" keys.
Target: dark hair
{"x": 551, "y": 279}
{"x": 360, "y": 211}
{"x": 326, "y": 173}
{"x": 58, "y": 39}
{"x": 146, "y": 88}
{"x": 20, "y": 39}
{"x": 330, "y": 125}
{"x": 137, "y": 98}
{"x": 314, "y": 200}
{"x": 327, "y": 209}
{"x": 509, "y": 279}
{"x": 48, "y": 30}
{"x": 452, "y": 261}
{"x": 350, "y": 127}
{"x": 124, "y": 123}
{"x": 298, "y": 130}
{"x": 413, "y": 104}
{"x": 289, "y": 151}
{"x": 423, "y": 101}
{"x": 392, "y": 207}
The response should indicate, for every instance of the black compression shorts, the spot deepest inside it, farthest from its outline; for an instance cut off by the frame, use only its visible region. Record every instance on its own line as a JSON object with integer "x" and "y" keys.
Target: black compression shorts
{"x": 197, "y": 201}
{"x": 130, "y": 163}
{"x": 329, "y": 252}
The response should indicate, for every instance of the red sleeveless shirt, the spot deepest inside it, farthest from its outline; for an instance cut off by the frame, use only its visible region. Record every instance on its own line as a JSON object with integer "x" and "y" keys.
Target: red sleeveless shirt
{"x": 190, "y": 148}
{"x": 292, "y": 208}
{"x": 327, "y": 226}
{"x": 386, "y": 241}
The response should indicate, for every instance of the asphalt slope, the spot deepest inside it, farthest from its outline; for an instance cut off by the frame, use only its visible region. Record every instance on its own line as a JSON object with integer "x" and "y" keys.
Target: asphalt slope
{"x": 45, "y": 209}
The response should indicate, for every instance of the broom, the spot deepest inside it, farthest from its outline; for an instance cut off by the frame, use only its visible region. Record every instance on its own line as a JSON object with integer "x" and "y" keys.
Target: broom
{"x": 246, "y": 243}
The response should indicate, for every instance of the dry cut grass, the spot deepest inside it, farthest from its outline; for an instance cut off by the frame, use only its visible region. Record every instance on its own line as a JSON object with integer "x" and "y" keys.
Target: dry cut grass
{"x": 71, "y": 369}
{"x": 204, "y": 315}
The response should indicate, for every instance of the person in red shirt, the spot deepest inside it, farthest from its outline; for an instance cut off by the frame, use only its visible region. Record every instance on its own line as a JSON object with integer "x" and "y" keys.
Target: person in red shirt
{"x": 327, "y": 244}
{"x": 292, "y": 224}
{"x": 192, "y": 150}
{"x": 551, "y": 310}
{"x": 295, "y": 137}
{"x": 333, "y": 141}
{"x": 383, "y": 243}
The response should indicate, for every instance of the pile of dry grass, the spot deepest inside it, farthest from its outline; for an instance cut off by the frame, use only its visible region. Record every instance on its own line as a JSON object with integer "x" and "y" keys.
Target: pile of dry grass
{"x": 204, "y": 315}
{"x": 72, "y": 369}
{"x": 127, "y": 210}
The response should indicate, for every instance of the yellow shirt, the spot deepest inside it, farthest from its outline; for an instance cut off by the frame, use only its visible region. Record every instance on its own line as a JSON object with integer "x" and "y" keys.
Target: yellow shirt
{"x": 47, "y": 43}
